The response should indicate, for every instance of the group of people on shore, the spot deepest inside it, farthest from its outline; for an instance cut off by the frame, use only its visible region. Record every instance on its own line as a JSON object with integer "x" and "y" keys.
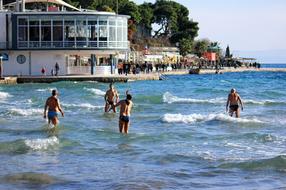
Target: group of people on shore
{"x": 53, "y": 107}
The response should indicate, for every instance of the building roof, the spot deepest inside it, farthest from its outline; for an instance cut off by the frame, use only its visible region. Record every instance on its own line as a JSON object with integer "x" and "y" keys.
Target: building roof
{"x": 58, "y": 2}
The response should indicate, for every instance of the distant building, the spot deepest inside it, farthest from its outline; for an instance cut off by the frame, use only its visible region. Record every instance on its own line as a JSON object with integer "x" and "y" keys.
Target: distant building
{"x": 80, "y": 41}
{"x": 210, "y": 56}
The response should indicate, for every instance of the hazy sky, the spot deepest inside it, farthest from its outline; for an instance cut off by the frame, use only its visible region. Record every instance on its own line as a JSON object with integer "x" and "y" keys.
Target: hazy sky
{"x": 246, "y": 25}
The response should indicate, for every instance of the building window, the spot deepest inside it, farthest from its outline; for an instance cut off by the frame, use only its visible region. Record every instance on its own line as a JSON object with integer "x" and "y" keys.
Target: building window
{"x": 46, "y": 33}
{"x": 70, "y": 32}
{"x": 57, "y": 30}
{"x": 34, "y": 30}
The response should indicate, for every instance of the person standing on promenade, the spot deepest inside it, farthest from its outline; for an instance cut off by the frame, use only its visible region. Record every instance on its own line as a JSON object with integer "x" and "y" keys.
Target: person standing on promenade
{"x": 233, "y": 102}
{"x": 57, "y": 68}
{"x": 124, "y": 115}
{"x": 109, "y": 97}
{"x": 54, "y": 107}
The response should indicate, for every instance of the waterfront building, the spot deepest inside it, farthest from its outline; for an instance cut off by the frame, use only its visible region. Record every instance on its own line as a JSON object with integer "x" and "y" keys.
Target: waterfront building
{"x": 78, "y": 41}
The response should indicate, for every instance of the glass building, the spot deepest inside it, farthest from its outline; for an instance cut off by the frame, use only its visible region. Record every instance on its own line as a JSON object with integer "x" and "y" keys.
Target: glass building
{"x": 78, "y": 41}
{"x": 69, "y": 31}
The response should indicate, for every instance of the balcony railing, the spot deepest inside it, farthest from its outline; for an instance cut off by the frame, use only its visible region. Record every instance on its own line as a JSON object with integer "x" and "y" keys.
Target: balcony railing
{"x": 72, "y": 45}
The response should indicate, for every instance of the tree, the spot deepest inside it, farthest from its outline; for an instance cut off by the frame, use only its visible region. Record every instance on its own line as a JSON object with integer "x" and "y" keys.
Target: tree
{"x": 127, "y": 7}
{"x": 227, "y": 52}
{"x": 147, "y": 15}
{"x": 185, "y": 46}
{"x": 165, "y": 16}
{"x": 201, "y": 46}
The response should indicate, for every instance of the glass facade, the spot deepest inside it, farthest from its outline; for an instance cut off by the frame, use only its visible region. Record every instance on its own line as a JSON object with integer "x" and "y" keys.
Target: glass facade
{"x": 72, "y": 32}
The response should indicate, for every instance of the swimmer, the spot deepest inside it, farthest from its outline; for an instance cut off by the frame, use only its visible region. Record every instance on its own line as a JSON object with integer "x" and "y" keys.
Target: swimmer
{"x": 124, "y": 115}
{"x": 233, "y": 102}
{"x": 54, "y": 107}
{"x": 109, "y": 97}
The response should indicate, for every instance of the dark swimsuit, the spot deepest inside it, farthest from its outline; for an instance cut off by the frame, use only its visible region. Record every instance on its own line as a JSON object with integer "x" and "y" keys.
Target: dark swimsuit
{"x": 110, "y": 102}
{"x": 124, "y": 118}
{"x": 233, "y": 107}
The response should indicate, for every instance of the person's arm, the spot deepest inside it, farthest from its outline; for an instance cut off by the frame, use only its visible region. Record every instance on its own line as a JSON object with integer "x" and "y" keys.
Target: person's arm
{"x": 117, "y": 97}
{"x": 117, "y": 104}
{"x": 45, "y": 110}
{"x": 227, "y": 103}
{"x": 239, "y": 99}
{"x": 105, "y": 97}
{"x": 60, "y": 108}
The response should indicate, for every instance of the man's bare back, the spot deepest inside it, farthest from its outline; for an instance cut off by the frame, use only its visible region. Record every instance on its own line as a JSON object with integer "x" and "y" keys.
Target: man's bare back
{"x": 125, "y": 112}
{"x": 233, "y": 101}
{"x": 53, "y": 106}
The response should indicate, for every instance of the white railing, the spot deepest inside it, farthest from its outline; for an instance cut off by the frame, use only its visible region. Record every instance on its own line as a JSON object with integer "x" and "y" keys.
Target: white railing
{"x": 72, "y": 44}
{"x": 78, "y": 70}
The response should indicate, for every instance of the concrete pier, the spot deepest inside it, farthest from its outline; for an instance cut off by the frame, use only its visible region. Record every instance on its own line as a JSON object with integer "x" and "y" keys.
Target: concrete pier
{"x": 103, "y": 78}
{"x": 8, "y": 80}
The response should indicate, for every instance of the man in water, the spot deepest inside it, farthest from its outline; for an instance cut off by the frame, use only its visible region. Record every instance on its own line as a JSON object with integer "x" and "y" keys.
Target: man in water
{"x": 233, "y": 102}
{"x": 109, "y": 97}
{"x": 54, "y": 107}
{"x": 124, "y": 115}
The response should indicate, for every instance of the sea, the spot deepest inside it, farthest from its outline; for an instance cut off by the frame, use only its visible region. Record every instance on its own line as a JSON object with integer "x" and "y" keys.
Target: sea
{"x": 180, "y": 136}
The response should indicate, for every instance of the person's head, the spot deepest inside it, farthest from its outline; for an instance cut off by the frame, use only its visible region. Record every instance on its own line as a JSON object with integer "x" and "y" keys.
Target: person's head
{"x": 111, "y": 86}
{"x": 232, "y": 90}
{"x": 54, "y": 92}
{"x": 128, "y": 97}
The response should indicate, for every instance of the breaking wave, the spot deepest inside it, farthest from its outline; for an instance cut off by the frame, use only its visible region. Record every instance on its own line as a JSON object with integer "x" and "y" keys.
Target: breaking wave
{"x": 96, "y": 91}
{"x": 83, "y": 105}
{"x": 45, "y": 89}
{"x": 25, "y": 112}
{"x": 195, "y": 118}
{"x": 4, "y": 95}
{"x": 276, "y": 163}
{"x": 42, "y": 144}
{"x": 169, "y": 98}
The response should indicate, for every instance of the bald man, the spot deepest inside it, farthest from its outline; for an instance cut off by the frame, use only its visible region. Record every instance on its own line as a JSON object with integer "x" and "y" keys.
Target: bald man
{"x": 233, "y": 102}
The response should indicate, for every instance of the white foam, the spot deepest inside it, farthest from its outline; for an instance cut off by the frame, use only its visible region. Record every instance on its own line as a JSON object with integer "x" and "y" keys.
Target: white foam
{"x": 83, "y": 105}
{"x": 96, "y": 91}
{"x": 42, "y": 144}
{"x": 262, "y": 102}
{"x": 4, "y": 95}
{"x": 195, "y": 118}
{"x": 45, "y": 89}
{"x": 169, "y": 98}
{"x": 26, "y": 112}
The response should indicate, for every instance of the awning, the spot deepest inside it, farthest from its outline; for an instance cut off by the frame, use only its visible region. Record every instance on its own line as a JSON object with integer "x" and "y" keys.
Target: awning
{"x": 58, "y": 2}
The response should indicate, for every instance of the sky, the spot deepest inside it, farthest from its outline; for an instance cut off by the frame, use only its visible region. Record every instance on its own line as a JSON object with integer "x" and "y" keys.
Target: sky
{"x": 252, "y": 28}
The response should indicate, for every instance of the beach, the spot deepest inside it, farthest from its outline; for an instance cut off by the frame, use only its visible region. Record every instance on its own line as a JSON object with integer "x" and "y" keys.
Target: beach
{"x": 180, "y": 136}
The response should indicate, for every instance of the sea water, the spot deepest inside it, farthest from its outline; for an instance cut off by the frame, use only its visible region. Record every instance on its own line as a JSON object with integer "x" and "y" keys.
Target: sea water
{"x": 180, "y": 136}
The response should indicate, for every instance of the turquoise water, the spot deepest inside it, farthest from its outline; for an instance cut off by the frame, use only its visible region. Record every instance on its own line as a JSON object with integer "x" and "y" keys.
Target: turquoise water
{"x": 180, "y": 136}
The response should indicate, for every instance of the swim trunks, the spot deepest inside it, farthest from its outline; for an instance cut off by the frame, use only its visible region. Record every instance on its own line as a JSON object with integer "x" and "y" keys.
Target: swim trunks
{"x": 124, "y": 118}
{"x": 110, "y": 102}
{"x": 233, "y": 107}
{"x": 52, "y": 114}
